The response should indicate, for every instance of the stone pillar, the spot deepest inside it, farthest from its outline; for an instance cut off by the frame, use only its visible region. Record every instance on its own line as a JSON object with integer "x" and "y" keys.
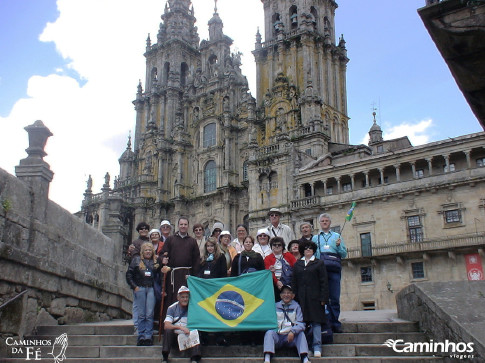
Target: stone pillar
{"x": 398, "y": 173}
{"x": 366, "y": 179}
{"x": 381, "y": 172}
{"x": 324, "y": 188}
{"x": 352, "y": 181}
{"x": 338, "y": 184}
{"x": 34, "y": 171}
{"x": 447, "y": 163}
{"x": 468, "y": 159}
{"x": 430, "y": 166}
{"x": 113, "y": 226}
{"x": 413, "y": 168}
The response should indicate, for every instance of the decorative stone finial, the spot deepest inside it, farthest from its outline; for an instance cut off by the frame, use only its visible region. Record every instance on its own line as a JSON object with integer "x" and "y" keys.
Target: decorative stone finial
{"x": 38, "y": 135}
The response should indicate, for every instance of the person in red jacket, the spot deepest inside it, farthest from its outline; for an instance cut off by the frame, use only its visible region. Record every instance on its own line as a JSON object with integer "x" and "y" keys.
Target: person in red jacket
{"x": 280, "y": 263}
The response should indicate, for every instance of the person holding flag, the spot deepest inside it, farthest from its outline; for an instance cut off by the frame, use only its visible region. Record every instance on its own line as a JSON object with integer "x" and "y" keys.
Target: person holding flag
{"x": 331, "y": 249}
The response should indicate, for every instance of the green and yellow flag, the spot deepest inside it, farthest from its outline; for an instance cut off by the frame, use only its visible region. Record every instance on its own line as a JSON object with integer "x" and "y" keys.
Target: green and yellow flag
{"x": 238, "y": 303}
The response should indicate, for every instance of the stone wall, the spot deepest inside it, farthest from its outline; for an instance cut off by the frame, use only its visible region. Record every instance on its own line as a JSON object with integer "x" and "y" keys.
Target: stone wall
{"x": 453, "y": 311}
{"x": 71, "y": 271}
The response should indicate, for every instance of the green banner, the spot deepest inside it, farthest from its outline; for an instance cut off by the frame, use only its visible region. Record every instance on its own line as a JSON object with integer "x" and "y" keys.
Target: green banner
{"x": 238, "y": 303}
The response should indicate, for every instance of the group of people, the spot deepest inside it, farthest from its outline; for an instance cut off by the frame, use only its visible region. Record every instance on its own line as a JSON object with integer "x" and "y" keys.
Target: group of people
{"x": 306, "y": 277}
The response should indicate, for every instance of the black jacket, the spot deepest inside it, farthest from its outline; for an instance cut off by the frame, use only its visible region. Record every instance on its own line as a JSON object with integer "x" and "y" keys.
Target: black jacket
{"x": 310, "y": 286}
{"x": 253, "y": 262}
{"x": 143, "y": 278}
{"x": 216, "y": 268}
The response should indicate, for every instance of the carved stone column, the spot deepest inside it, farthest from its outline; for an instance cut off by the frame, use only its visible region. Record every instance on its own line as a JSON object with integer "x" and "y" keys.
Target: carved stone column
{"x": 34, "y": 171}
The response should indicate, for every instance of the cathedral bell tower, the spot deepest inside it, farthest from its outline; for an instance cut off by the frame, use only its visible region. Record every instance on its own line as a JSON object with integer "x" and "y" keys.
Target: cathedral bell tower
{"x": 299, "y": 49}
{"x": 301, "y": 98}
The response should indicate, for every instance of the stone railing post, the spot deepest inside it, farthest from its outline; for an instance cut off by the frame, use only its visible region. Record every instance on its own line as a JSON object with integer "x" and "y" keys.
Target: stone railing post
{"x": 34, "y": 171}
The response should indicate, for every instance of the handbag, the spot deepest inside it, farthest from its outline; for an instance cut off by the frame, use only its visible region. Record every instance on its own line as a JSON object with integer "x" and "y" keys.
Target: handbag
{"x": 286, "y": 272}
{"x": 332, "y": 261}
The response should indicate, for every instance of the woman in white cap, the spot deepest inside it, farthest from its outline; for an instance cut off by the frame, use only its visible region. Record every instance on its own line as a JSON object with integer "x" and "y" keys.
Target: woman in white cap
{"x": 166, "y": 229}
{"x": 154, "y": 236}
{"x": 226, "y": 248}
{"x": 262, "y": 247}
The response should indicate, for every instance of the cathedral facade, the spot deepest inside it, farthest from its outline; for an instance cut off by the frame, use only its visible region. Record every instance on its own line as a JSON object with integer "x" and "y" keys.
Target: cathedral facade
{"x": 205, "y": 148}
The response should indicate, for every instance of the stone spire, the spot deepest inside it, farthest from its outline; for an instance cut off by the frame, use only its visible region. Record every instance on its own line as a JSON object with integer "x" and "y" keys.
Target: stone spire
{"x": 215, "y": 25}
{"x": 375, "y": 132}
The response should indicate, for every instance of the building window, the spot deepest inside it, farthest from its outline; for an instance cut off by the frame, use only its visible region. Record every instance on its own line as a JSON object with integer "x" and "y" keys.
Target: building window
{"x": 481, "y": 162}
{"x": 420, "y": 173}
{"x": 366, "y": 274}
{"x": 418, "y": 270}
{"x": 245, "y": 171}
{"x": 308, "y": 152}
{"x": 210, "y": 177}
{"x": 452, "y": 168}
{"x": 380, "y": 149}
{"x": 308, "y": 190}
{"x": 415, "y": 229}
{"x": 366, "y": 244}
{"x": 347, "y": 187}
{"x": 453, "y": 216}
{"x": 209, "y": 135}
{"x": 329, "y": 190}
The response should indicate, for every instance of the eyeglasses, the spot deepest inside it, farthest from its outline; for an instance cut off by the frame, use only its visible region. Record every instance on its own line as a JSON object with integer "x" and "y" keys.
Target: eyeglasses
{"x": 143, "y": 229}
{"x": 217, "y": 230}
{"x": 274, "y": 215}
{"x": 198, "y": 230}
{"x": 165, "y": 226}
{"x": 277, "y": 245}
{"x": 263, "y": 235}
{"x": 308, "y": 248}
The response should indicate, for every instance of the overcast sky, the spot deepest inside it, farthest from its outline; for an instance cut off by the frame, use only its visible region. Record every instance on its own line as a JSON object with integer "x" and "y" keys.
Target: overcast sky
{"x": 75, "y": 65}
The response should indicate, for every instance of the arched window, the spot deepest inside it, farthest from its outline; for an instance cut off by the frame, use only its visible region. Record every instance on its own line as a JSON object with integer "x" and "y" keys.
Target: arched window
{"x": 166, "y": 71}
{"x": 210, "y": 175}
{"x": 184, "y": 71}
{"x": 209, "y": 135}
{"x": 294, "y": 17}
{"x": 154, "y": 74}
{"x": 314, "y": 13}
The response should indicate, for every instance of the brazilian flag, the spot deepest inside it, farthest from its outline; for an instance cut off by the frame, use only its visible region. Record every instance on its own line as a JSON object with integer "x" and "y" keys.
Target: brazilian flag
{"x": 238, "y": 303}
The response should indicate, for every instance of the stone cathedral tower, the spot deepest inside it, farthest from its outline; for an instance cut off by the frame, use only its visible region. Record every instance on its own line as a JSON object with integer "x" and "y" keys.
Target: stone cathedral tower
{"x": 301, "y": 95}
{"x": 203, "y": 146}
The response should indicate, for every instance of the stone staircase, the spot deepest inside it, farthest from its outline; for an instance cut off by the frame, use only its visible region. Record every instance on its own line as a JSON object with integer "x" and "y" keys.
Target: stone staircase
{"x": 110, "y": 342}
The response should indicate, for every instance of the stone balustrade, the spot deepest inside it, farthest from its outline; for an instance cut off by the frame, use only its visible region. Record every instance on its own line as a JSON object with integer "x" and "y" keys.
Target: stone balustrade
{"x": 443, "y": 243}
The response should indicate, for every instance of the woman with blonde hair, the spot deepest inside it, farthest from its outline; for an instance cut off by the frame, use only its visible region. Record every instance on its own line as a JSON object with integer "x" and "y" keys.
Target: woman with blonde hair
{"x": 213, "y": 263}
{"x": 141, "y": 275}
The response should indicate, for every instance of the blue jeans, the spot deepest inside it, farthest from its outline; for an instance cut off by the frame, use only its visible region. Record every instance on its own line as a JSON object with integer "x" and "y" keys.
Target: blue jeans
{"x": 134, "y": 310}
{"x": 334, "y": 295}
{"x": 317, "y": 336}
{"x": 145, "y": 302}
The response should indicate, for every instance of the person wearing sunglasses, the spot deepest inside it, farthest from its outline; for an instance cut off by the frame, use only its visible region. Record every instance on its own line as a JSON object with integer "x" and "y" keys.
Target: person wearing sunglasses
{"x": 166, "y": 229}
{"x": 134, "y": 250}
{"x": 277, "y": 229}
{"x": 280, "y": 263}
{"x": 309, "y": 283}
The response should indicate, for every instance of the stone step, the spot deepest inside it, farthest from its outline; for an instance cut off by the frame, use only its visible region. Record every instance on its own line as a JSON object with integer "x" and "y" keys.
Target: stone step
{"x": 85, "y": 329}
{"x": 127, "y": 351}
{"x": 344, "y": 338}
{"x": 385, "y": 359}
{"x": 127, "y": 329}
